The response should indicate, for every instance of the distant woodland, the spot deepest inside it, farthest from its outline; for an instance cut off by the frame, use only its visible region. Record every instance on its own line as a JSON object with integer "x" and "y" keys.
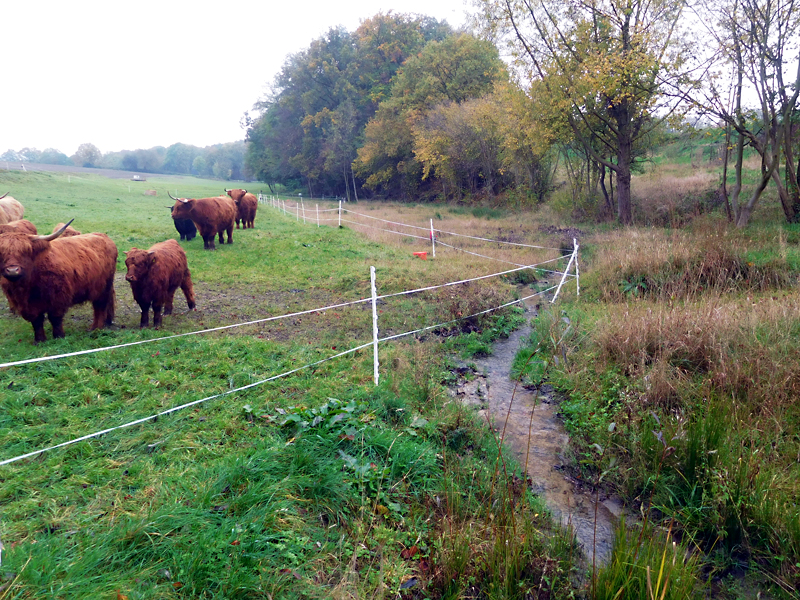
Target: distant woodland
{"x": 220, "y": 161}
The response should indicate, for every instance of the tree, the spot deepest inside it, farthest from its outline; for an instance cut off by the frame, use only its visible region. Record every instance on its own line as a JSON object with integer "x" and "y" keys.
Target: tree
{"x": 759, "y": 40}
{"x": 309, "y": 126}
{"x": 458, "y": 68}
{"x": 604, "y": 65}
{"x": 51, "y": 156}
{"x": 87, "y": 155}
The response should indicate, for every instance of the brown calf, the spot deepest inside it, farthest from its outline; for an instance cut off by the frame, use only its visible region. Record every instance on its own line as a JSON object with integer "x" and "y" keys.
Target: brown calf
{"x": 43, "y": 275}
{"x": 246, "y": 207}
{"x": 154, "y": 275}
{"x": 212, "y": 216}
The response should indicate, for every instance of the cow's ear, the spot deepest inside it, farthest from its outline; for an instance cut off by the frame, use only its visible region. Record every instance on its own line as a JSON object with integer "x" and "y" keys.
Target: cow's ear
{"x": 152, "y": 256}
{"x": 38, "y": 245}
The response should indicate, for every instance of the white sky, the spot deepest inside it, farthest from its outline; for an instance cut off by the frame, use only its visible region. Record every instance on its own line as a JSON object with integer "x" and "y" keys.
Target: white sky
{"x": 128, "y": 75}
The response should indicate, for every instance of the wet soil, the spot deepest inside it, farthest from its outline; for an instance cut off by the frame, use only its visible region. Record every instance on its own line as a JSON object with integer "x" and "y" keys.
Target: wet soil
{"x": 528, "y": 422}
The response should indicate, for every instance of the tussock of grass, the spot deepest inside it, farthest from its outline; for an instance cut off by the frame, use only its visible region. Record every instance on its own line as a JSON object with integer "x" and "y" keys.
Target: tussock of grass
{"x": 664, "y": 267}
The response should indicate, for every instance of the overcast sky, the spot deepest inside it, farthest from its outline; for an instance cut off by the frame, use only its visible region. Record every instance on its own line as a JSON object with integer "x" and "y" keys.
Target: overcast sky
{"x": 128, "y": 75}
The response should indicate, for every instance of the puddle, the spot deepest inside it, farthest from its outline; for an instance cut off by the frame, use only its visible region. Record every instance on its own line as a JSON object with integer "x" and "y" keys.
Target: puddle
{"x": 539, "y": 443}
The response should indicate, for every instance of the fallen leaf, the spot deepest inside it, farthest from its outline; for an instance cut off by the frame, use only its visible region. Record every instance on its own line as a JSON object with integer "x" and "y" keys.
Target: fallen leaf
{"x": 409, "y": 552}
{"x": 121, "y": 596}
{"x": 235, "y": 543}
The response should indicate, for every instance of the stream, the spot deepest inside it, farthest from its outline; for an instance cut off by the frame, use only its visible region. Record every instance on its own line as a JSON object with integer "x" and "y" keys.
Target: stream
{"x": 540, "y": 444}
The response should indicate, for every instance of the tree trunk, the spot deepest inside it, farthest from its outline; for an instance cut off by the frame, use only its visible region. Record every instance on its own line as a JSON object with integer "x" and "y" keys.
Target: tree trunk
{"x": 725, "y": 174}
{"x": 624, "y": 158}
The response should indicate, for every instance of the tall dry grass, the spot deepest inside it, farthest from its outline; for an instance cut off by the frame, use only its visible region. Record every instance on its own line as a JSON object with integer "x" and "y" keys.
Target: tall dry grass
{"x": 745, "y": 349}
{"x": 677, "y": 265}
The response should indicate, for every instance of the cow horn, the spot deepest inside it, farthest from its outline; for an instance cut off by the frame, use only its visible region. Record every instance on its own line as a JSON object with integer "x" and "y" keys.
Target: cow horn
{"x": 54, "y": 235}
{"x": 226, "y": 191}
{"x": 4, "y": 195}
{"x": 171, "y": 196}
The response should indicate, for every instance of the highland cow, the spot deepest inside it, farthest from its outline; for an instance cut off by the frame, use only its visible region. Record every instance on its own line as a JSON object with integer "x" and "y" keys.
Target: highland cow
{"x": 185, "y": 227}
{"x": 69, "y": 231}
{"x": 246, "y": 207}
{"x": 212, "y": 216}
{"x": 43, "y": 275}
{"x": 10, "y": 209}
{"x": 154, "y": 275}
{"x": 22, "y": 225}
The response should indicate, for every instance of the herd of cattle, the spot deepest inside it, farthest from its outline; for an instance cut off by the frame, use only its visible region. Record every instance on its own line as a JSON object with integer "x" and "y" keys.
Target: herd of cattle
{"x": 45, "y": 275}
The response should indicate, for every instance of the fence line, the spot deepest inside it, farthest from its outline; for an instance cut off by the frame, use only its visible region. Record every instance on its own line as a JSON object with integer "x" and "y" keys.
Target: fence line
{"x": 180, "y": 407}
{"x": 375, "y": 341}
{"x": 257, "y": 321}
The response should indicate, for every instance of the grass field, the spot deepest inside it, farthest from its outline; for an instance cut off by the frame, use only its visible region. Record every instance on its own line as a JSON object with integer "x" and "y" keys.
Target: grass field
{"x": 318, "y": 484}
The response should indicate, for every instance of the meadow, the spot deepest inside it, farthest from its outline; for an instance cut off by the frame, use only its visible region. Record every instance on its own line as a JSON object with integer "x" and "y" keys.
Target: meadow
{"x": 316, "y": 484}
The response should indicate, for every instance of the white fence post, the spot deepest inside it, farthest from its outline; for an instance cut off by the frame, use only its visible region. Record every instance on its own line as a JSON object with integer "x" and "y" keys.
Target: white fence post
{"x": 317, "y": 205}
{"x": 577, "y": 272}
{"x": 564, "y": 276}
{"x": 340, "y": 213}
{"x": 433, "y": 240}
{"x": 374, "y": 323}
{"x": 297, "y": 212}
{"x": 303, "y": 204}
{"x": 284, "y": 207}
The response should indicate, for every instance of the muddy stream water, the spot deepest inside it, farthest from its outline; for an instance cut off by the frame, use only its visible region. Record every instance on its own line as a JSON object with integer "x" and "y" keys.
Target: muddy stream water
{"x": 543, "y": 440}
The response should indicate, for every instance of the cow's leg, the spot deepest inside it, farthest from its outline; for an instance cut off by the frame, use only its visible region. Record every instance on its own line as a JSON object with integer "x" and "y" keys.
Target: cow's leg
{"x": 144, "y": 321}
{"x": 168, "y": 301}
{"x": 237, "y": 224}
{"x": 188, "y": 290}
{"x": 208, "y": 242}
{"x": 38, "y": 329}
{"x": 57, "y": 321}
{"x": 221, "y": 233}
{"x": 104, "y": 307}
{"x": 230, "y": 235}
{"x": 156, "y": 315}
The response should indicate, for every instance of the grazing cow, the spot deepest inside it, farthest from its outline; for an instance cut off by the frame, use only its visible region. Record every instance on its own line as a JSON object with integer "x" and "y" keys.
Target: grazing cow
{"x": 10, "y": 209}
{"x": 185, "y": 227}
{"x": 154, "y": 275}
{"x": 20, "y": 225}
{"x": 69, "y": 230}
{"x": 44, "y": 275}
{"x": 212, "y": 216}
{"x": 246, "y": 207}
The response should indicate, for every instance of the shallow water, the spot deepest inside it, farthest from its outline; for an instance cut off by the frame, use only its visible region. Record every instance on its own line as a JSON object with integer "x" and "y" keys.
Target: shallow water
{"x": 536, "y": 435}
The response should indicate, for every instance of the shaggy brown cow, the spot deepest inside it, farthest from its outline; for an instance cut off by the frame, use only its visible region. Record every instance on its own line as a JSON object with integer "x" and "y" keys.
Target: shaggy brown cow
{"x": 212, "y": 216}
{"x": 21, "y": 225}
{"x": 246, "y": 207}
{"x": 68, "y": 232}
{"x": 43, "y": 275}
{"x": 154, "y": 275}
{"x": 10, "y": 209}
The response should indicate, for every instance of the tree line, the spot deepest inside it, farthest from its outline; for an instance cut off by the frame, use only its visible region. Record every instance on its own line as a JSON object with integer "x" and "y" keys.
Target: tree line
{"x": 219, "y": 161}
{"x": 406, "y": 107}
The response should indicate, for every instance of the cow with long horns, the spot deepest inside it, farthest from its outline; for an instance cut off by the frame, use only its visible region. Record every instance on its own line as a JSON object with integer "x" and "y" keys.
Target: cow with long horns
{"x": 212, "y": 216}
{"x": 246, "y": 207}
{"x": 45, "y": 275}
{"x": 10, "y": 209}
